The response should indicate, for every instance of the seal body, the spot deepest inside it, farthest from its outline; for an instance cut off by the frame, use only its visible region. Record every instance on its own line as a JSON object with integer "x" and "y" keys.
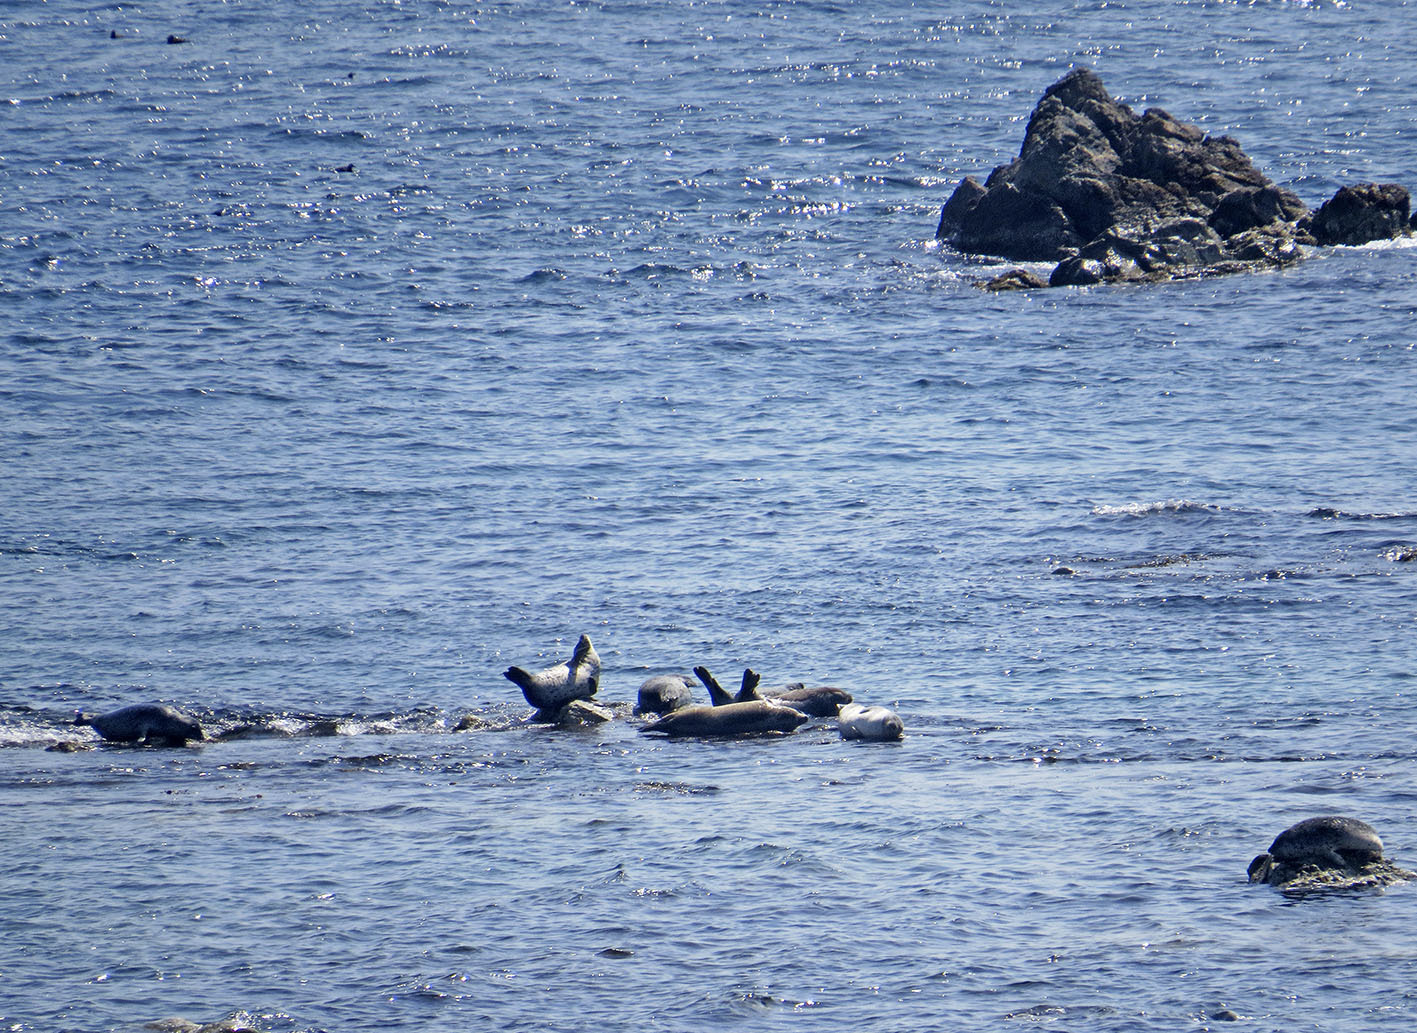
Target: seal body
{"x": 552, "y": 688}
{"x": 818, "y": 701}
{"x": 146, "y": 722}
{"x": 1332, "y": 842}
{"x": 877, "y": 724}
{"x": 665, "y": 693}
{"x": 751, "y": 717}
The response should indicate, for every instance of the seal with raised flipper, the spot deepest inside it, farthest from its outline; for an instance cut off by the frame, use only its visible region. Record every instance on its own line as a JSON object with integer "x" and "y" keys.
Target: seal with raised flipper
{"x": 665, "y": 693}
{"x": 719, "y": 696}
{"x": 153, "y": 723}
{"x": 552, "y": 688}
{"x": 878, "y": 724}
{"x": 750, "y": 717}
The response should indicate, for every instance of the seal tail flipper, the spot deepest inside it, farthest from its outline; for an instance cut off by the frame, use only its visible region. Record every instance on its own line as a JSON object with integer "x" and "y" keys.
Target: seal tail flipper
{"x": 749, "y": 689}
{"x": 718, "y": 695}
{"x": 518, "y": 677}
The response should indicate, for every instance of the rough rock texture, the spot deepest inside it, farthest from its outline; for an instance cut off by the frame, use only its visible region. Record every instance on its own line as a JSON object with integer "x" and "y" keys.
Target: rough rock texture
{"x": 1362, "y": 213}
{"x": 1310, "y": 878}
{"x": 1113, "y": 196}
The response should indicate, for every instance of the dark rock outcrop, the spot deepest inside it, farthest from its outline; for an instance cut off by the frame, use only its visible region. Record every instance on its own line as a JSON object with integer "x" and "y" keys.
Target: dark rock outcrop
{"x": 1362, "y": 213}
{"x": 1112, "y": 196}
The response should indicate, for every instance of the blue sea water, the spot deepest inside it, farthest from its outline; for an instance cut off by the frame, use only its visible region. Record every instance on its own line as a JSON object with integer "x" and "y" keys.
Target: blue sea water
{"x": 354, "y": 352}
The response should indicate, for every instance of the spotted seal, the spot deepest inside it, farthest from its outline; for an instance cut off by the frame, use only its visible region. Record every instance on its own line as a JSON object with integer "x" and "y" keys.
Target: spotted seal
{"x": 877, "y": 724}
{"x": 552, "y": 688}
{"x": 817, "y": 700}
{"x": 154, "y": 723}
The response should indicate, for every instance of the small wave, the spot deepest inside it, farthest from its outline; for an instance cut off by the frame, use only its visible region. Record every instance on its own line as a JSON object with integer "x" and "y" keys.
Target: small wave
{"x": 1331, "y": 513}
{"x": 1141, "y": 509}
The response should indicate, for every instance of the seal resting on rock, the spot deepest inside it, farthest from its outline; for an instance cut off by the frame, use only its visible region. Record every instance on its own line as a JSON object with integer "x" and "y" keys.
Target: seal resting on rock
{"x": 750, "y": 717}
{"x": 1330, "y": 852}
{"x": 148, "y": 722}
{"x": 665, "y": 693}
{"x": 877, "y": 724}
{"x": 552, "y": 688}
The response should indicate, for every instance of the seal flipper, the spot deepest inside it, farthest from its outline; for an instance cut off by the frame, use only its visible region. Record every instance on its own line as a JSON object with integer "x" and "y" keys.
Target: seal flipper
{"x": 749, "y": 691}
{"x": 518, "y": 677}
{"x": 718, "y": 695}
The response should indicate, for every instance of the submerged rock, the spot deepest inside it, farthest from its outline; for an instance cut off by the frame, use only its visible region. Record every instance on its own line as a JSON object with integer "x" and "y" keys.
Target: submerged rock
{"x": 1113, "y": 197}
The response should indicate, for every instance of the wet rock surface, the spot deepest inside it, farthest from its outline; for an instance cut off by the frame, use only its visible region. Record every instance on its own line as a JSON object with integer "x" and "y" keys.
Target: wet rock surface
{"x": 1116, "y": 197}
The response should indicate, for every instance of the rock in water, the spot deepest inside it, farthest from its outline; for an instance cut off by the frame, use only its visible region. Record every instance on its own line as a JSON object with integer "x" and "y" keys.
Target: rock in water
{"x": 1113, "y": 196}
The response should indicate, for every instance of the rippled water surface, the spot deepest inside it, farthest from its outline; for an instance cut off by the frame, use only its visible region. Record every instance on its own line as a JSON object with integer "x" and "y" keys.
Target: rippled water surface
{"x": 354, "y": 352}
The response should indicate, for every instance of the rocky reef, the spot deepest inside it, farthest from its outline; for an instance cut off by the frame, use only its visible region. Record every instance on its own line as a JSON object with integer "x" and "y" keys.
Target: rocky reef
{"x": 1111, "y": 196}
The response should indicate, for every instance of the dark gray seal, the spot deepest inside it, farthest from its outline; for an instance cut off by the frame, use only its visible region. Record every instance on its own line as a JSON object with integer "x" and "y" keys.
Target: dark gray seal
{"x": 665, "y": 693}
{"x": 719, "y": 696}
{"x": 153, "y": 723}
{"x": 817, "y": 700}
{"x": 1329, "y": 852}
{"x": 750, "y": 717}
{"x": 552, "y": 688}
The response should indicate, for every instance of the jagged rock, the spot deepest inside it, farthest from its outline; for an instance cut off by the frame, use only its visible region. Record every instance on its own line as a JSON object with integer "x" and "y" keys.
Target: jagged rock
{"x": 1116, "y": 197}
{"x": 1362, "y": 213}
{"x": 1015, "y": 280}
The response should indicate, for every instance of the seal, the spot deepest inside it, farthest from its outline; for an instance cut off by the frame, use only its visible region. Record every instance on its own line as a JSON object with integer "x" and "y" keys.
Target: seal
{"x": 877, "y": 724}
{"x": 750, "y": 717}
{"x": 664, "y": 694}
{"x": 153, "y": 723}
{"x": 818, "y": 701}
{"x": 720, "y": 697}
{"x": 1327, "y": 854}
{"x": 552, "y": 688}
{"x": 1330, "y": 842}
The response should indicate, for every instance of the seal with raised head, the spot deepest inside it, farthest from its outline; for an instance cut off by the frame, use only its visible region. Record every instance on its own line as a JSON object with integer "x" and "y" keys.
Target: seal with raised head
{"x": 878, "y": 724}
{"x": 552, "y": 688}
{"x": 750, "y": 717}
{"x": 1332, "y": 842}
{"x": 154, "y": 723}
{"x": 665, "y": 693}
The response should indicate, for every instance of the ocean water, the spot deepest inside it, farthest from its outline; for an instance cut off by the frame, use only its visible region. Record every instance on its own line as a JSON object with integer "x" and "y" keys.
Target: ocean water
{"x": 354, "y": 352}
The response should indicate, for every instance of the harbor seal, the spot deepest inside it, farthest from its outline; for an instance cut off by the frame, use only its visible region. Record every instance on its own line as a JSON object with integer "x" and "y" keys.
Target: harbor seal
{"x": 818, "y": 700}
{"x": 552, "y": 688}
{"x": 665, "y": 693}
{"x": 750, "y": 717}
{"x": 1330, "y": 852}
{"x": 153, "y": 723}
{"x": 720, "y": 696}
{"x": 877, "y": 724}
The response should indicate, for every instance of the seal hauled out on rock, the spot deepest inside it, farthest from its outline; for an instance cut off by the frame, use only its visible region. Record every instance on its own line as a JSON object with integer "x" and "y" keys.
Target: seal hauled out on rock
{"x": 665, "y": 693}
{"x": 1326, "y": 852}
{"x": 552, "y": 688}
{"x": 146, "y": 722}
{"x": 750, "y": 717}
{"x": 816, "y": 700}
{"x": 878, "y": 724}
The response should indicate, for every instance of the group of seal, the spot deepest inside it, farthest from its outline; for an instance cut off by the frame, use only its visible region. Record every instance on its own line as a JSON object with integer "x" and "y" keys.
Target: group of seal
{"x": 564, "y": 692}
